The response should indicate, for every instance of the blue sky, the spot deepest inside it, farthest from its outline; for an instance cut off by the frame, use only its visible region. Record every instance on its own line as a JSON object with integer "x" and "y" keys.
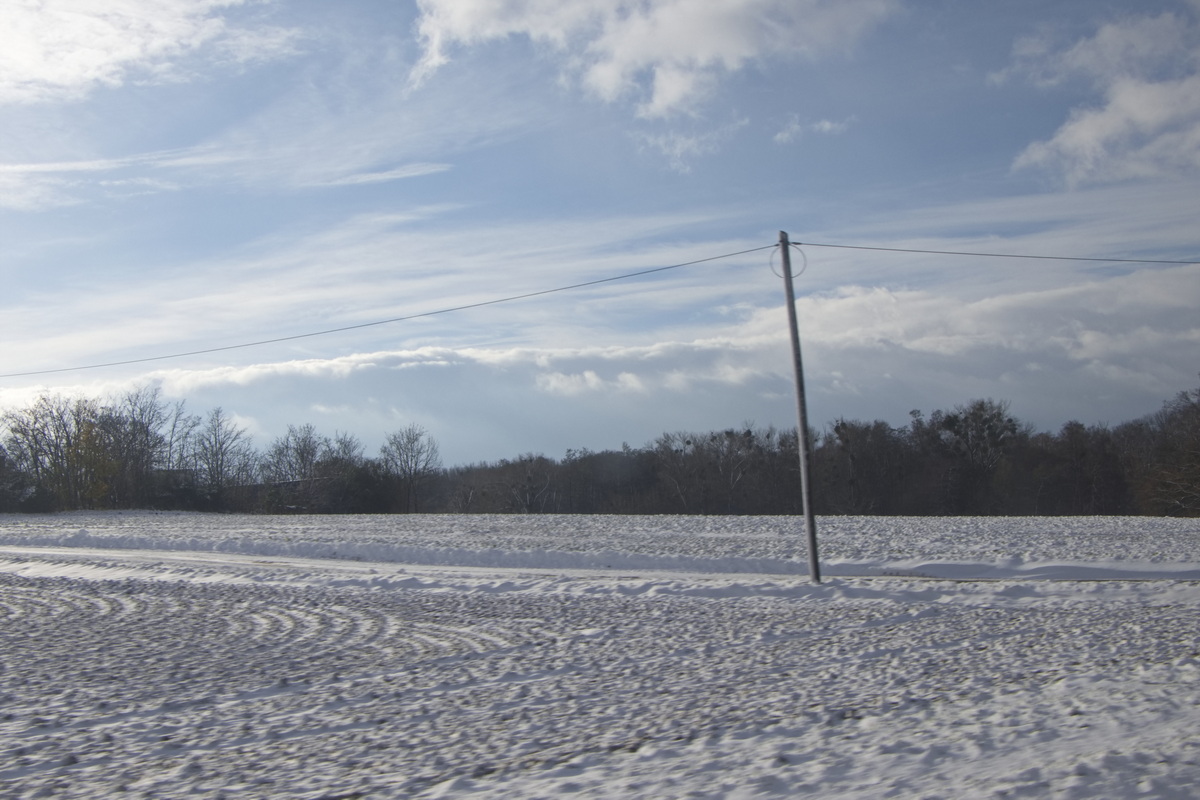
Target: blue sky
{"x": 179, "y": 175}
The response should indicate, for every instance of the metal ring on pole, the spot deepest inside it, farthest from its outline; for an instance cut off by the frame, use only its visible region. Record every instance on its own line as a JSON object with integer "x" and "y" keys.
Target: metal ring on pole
{"x": 771, "y": 263}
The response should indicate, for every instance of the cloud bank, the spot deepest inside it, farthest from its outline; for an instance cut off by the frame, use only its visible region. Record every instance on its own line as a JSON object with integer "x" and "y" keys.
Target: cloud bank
{"x": 1126, "y": 341}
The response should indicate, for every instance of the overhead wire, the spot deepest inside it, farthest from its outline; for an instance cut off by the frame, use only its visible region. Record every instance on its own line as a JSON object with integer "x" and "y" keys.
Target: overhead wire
{"x": 995, "y": 255}
{"x": 581, "y": 285}
{"x": 436, "y": 312}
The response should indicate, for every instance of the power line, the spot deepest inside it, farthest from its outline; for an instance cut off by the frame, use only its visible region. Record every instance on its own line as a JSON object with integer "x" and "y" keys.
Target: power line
{"x": 328, "y": 331}
{"x": 994, "y": 255}
{"x": 512, "y": 298}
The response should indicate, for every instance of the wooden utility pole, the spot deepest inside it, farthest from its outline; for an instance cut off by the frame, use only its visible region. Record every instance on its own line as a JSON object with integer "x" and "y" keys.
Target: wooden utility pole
{"x": 810, "y": 521}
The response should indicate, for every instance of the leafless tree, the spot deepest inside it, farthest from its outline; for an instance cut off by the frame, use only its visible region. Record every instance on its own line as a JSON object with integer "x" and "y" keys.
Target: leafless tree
{"x": 61, "y": 442}
{"x": 294, "y": 456}
{"x": 410, "y": 456}
{"x": 134, "y": 425}
{"x": 1176, "y": 476}
{"x": 179, "y": 434}
{"x": 223, "y": 454}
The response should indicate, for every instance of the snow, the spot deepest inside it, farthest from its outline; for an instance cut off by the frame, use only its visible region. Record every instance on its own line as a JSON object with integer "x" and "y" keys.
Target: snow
{"x": 170, "y": 655}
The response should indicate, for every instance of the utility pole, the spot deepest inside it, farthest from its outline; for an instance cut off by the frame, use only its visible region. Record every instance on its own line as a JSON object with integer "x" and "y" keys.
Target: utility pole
{"x": 810, "y": 521}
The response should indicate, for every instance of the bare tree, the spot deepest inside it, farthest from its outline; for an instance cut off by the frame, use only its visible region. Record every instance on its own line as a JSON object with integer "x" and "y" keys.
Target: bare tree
{"x": 223, "y": 454}
{"x": 527, "y": 483}
{"x": 350, "y": 481}
{"x": 680, "y": 468}
{"x": 292, "y": 466}
{"x": 61, "y": 442}
{"x": 1176, "y": 477}
{"x": 179, "y": 434}
{"x": 134, "y": 426}
{"x": 345, "y": 448}
{"x": 410, "y": 456}
{"x": 294, "y": 456}
{"x": 12, "y": 484}
{"x": 734, "y": 454}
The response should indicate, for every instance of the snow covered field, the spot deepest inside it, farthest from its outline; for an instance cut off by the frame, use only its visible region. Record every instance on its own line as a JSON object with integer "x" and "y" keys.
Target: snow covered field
{"x": 171, "y": 655}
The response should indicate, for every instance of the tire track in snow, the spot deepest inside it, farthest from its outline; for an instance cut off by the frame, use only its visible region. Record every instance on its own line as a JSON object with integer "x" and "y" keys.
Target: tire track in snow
{"x": 165, "y": 689}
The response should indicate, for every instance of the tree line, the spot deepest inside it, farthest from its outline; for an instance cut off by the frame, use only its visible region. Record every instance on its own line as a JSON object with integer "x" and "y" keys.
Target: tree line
{"x": 138, "y": 451}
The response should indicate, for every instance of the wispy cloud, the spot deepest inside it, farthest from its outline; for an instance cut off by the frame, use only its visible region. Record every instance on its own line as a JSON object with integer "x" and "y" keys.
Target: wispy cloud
{"x": 22, "y": 192}
{"x": 363, "y": 126}
{"x": 790, "y": 132}
{"x": 794, "y": 130}
{"x": 682, "y": 149}
{"x": 380, "y": 266}
{"x": 1146, "y": 73}
{"x": 399, "y": 173}
{"x": 831, "y": 128}
{"x": 1128, "y": 340}
{"x": 39, "y": 186}
{"x": 667, "y": 54}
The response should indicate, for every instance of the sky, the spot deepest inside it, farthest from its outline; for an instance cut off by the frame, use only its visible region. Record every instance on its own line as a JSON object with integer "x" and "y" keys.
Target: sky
{"x": 179, "y": 176}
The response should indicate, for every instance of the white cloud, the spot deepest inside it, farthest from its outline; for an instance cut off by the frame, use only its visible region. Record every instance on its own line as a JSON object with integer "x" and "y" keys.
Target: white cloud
{"x": 699, "y": 348}
{"x": 360, "y": 125}
{"x": 831, "y": 128}
{"x": 181, "y": 381}
{"x": 630, "y": 382}
{"x": 399, "y": 173}
{"x": 33, "y": 193}
{"x": 1127, "y": 343}
{"x": 332, "y": 411}
{"x": 563, "y": 384}
{"x": 681, "y": 149}
{"x": 1146, "y": 73}
{"x": 794, "y": 129}
{"x": 40, "y": 186}
{"x": 1144, "y": 130}
{"x": 55, "y": 49}
{"x": 381, "y": 266}
{"x": 245, "y": 46}
{"x": 1132, "y": 46}
{"x": 666, "y": 53}
{"x": 1142, "y": 323}
{"x": 790, "y": 132}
